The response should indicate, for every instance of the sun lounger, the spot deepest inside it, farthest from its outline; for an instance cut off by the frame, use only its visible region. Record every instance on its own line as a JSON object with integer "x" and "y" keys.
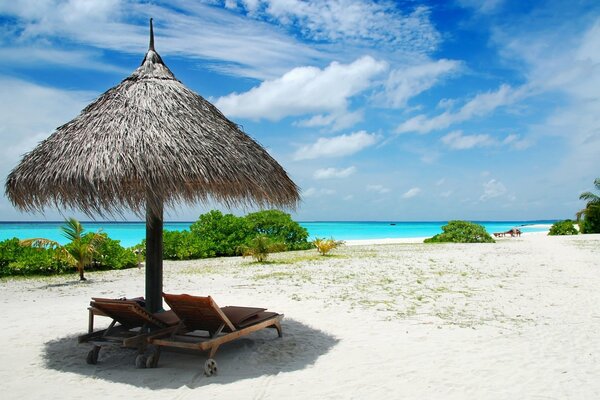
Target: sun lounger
{"x": 512, "y": 232}
{"x": 220, "y": 325}
{"x": 130, "y": 325}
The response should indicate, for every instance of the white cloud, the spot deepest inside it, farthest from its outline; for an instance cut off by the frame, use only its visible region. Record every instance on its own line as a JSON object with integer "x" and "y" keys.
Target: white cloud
{"x": 491, "y": 189}
{"x": 481, "y": 6}
{"x": 378, "y": 188}
{"x": 562, "y": 58}
{"x": 336, "y": 121}
{"x": 457, "y": 141}
{"x": 240, "y": 46}
{"x": 410, "y": 193}
{"x": 351, "y": 21}
{"x": 516, "y": 142}
{"x": 30, "y": 109}
{"x": 480, "y": 105}
{"x": 440, "y": 182}
{"x": 404, "y": 83}
{"x": 42, "y": 56}
{"x": 314, "y": 192}
{"x": 328, "y": 173}
{"x": 30, "y": 113}
{"x": 447, "y": 193}
{"x": 337, "y": 146}
{"x": 304, "y": 90}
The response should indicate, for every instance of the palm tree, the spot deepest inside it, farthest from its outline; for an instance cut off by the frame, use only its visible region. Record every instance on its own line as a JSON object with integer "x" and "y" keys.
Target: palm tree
{"x": 79, "y": 252}
{"x": 593, "y": 201}
{"x": 259, "y": 248}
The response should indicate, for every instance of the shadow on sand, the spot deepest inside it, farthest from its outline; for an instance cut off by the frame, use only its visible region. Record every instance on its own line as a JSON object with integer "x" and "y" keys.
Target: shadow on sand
{"x": 259, "y": 354}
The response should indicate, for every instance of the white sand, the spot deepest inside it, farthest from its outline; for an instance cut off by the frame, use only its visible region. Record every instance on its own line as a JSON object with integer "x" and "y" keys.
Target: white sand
{"x": 519, "y": 319}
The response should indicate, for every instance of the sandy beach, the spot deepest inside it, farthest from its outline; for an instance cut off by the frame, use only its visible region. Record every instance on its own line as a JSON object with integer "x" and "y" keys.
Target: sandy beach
{"x": 518, "y": 319}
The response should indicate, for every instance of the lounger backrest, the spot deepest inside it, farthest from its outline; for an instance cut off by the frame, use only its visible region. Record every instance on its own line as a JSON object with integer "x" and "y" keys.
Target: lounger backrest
{"x": 127, "y": 312}
{"x": 198, "y": 313}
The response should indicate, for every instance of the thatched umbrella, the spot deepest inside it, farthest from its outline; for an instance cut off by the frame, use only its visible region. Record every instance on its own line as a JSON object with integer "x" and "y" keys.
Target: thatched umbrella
{"x": 146, "y": 143}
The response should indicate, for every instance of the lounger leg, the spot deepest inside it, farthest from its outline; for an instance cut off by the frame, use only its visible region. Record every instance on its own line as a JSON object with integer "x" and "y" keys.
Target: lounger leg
{"x": 152, "y": 361}
{"x": 213, "y": 351}
{"x": 92, "y": 357}
{"x": 91, "y": 321}
{"x": 277, "y": 325}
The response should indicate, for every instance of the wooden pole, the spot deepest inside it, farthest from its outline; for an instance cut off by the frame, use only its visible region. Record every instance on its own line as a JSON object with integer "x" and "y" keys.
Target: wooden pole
{"x": 154, "y": 252}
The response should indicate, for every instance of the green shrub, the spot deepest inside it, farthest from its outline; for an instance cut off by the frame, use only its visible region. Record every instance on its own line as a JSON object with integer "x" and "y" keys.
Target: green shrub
{"x": 461, "y": 232}
{"x": 19, "y": 259}
{"x": 565, "y": 227}
{"x": 591, "y": 220}
{"x": 221, "y": 234}
{"x": 16, "y": 259}
{"x": 111, "y": 255}
{"x": 279, "y": 227}
{"x": 183, "y": 245}
{"x": 215, "y": 234}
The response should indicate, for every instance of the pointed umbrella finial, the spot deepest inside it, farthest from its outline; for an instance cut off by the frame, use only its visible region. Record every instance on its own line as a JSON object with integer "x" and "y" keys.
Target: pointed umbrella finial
{"x": 151, "y": 47}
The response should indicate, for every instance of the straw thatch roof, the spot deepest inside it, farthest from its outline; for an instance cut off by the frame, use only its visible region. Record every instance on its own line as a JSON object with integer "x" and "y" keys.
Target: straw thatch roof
{"x": 148, "y": 137}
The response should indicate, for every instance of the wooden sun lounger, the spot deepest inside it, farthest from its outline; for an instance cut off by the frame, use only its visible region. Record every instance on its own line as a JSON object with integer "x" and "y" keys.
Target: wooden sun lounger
{"x": 130, "y": 326}
{"x": 512, "y": 233}
{"x": 222, "y": 325}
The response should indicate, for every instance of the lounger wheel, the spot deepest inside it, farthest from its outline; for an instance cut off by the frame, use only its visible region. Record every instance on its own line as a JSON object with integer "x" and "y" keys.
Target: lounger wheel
{"x": 140, "y": 361}
{"x": 210, "y": 367}
{"x": 151, "y": 361}
{"x": 92, "y": 356}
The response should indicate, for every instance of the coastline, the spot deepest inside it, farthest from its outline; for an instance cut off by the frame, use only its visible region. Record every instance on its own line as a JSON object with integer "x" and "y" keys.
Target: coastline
{"x": 514, "y": 319}
{"x": 413, "y": 240}
{"x": 132, "y": 233}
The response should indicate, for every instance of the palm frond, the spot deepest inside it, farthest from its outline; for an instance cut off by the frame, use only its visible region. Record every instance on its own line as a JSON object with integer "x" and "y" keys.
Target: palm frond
{"x": 72, "y": 229}
{"x": 40, "y": 243}
{"x": 590, "y": 197}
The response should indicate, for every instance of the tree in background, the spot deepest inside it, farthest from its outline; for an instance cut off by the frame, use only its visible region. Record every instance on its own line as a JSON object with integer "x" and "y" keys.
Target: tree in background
{"x": 222, "y": 234}
{"x": 565, "y": 227}
{"x": 279, "y": 227}
{"x": 461, "y": 232}
{"x": 590, "y": 223}
{"x": 79, "y": 252}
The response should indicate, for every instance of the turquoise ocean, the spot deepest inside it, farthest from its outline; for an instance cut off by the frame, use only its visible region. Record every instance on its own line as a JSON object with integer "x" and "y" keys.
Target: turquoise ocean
{"x": 131, "y": 233}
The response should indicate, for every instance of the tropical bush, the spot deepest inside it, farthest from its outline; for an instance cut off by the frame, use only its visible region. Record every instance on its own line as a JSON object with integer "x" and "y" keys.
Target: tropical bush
{"x": 215, "y": 234}
{"x": 279, "y": 227}
{"x": 565, "y": 227}
{"x": 183, "y": 245}
{"x": 79, "y": 252}
{"x": 589, "y": 217}
{"x": 260, "y": 247}
{"x": 461, "y": 232}
{"x": 109, "y": 254}
{"x": 39, "y": 256}
{"x": 591, "y": 221}
{"x": 221, "y": 233}
{"x": 324, "y": 246}
{"x": 16, "y": 259}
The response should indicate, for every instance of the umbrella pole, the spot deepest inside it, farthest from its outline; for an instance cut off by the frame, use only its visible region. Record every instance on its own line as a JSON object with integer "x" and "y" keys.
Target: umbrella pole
{"x": 154, "y": 252}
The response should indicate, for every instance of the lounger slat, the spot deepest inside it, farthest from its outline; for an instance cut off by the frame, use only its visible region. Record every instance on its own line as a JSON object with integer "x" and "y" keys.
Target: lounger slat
{"x": 128, "y": 313}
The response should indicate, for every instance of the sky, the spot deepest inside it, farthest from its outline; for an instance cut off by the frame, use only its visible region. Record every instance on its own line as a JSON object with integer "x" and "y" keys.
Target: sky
{"x": 378, "y": 110}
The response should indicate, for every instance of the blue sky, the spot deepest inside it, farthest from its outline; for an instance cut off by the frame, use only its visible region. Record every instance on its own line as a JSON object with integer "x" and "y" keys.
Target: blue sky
{"x": 378, "y": 110}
